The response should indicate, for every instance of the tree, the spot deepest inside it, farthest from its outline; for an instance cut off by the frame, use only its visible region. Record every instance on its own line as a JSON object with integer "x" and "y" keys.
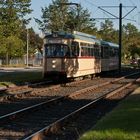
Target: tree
{"x": 14, "y": 45}
{"x": 131, "y": 41}
{"x": 54, "y": 16}
{"x": 59, "y": 16}
{"x": 12, "y": 17}
{"x": 79, "y": 19}
{"x": 107, "y": 31}
{"x": 35, "y": 42}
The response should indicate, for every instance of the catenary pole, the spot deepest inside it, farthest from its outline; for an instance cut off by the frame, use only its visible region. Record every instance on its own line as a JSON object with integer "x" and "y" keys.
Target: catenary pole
{"x": 27, "y": 57}
{"x": 120, "y": 36}
{"x": 120, "y": 25}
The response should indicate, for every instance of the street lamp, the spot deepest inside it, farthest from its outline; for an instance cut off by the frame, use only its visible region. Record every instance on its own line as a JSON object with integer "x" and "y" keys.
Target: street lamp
{"x": 77, "y": 5}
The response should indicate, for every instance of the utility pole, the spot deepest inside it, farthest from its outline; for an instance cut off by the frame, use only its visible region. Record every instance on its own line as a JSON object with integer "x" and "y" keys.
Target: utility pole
{"x": 27, "y": 55}
{"x": 120, "y": 24}
{"x": 120, "y": 37}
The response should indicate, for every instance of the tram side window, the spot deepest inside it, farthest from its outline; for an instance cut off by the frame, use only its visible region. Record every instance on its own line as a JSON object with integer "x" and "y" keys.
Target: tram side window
{"x": 97, "y": 52}
{"x": 105, "y": 52}
{"x": 75, "y": 48}
{"x": 114, "y": 52}
{"x": 84, "y": 51}
{"x": 92, "y": 51}
{"x": 87, "y": 49}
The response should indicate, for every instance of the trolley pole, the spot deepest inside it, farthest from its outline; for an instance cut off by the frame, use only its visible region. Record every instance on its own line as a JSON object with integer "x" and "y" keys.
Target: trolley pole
{"x": 120, "y": 36}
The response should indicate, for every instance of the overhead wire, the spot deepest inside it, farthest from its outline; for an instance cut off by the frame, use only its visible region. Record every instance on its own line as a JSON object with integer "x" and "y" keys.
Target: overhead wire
{"x": 93, "y": 5}
{"x": 95, "y": 11}
{"x": 108, "y": 15}
{"x": 132, "y": 16}
{"x": 138, "y": 10}
{"x": 125, "y": 7}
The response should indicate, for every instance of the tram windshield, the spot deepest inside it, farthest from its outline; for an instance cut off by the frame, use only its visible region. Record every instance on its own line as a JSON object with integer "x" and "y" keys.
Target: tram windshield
{"x": 56, "y": 50}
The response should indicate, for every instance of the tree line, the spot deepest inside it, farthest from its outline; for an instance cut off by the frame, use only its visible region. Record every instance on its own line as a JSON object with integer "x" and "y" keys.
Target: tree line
{"x": 60, "y": 15}
{"x": 13, "y": 30}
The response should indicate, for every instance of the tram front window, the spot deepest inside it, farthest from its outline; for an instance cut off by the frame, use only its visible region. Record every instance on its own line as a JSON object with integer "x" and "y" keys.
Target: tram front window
{"x": 56, "y": 50}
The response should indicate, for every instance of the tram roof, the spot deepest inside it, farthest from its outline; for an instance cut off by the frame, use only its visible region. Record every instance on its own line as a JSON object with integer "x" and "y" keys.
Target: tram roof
{"x": 85, "y": 37}
{"x": 59, "y": 34}
{"x": 74, "y": 35}
{"x": 109, "y": 44}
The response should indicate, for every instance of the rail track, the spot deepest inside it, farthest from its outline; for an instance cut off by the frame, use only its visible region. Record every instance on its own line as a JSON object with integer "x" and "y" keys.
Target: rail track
{"x": 11, "y": 103}
{"x": 33, "y": 89}
{"x": 45, "y": 117}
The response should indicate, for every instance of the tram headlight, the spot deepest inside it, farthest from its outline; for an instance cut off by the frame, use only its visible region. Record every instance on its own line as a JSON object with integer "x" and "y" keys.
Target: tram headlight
{"x": 54, "y": 61}
{"x": 53, "y": 66}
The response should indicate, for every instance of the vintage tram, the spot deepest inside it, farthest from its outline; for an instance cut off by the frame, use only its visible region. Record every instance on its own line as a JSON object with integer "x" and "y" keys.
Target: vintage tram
{"x": 78, "y": 54}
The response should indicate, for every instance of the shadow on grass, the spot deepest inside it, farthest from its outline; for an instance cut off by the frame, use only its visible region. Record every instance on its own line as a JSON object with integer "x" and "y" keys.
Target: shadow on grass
{"x": 123, "y": 123}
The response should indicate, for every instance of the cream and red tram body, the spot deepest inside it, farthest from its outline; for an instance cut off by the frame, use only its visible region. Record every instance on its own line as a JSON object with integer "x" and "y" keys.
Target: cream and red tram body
{"x": 69, "y": 55}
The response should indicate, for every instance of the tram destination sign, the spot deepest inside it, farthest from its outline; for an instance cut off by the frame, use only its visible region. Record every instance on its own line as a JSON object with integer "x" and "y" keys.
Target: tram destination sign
{"x": 56, "y": 41}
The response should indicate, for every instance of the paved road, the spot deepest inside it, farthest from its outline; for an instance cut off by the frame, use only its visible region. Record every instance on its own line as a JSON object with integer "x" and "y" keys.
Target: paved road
{"x": 16, "y": 70}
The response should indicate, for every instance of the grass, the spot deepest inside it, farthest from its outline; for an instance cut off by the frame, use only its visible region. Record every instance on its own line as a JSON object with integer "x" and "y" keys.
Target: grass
{"x": 19, "y": 78}
{"x": 123, "y": 123}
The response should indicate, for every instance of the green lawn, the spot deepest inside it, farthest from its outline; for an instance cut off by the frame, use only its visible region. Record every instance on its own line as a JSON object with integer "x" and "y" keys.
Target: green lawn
{"x": 123, "y": 123}
{"x": 19, "y": 78}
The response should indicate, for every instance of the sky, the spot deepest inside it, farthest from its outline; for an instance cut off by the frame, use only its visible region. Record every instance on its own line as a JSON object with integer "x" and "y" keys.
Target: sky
{"x": 92, "y": 6}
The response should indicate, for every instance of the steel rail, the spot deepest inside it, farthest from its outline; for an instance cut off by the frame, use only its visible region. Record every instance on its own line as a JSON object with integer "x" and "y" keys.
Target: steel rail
{"x": 29, "y": 108}
{"x": 60, "y": 98}
{"x": 49, "y": 128}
